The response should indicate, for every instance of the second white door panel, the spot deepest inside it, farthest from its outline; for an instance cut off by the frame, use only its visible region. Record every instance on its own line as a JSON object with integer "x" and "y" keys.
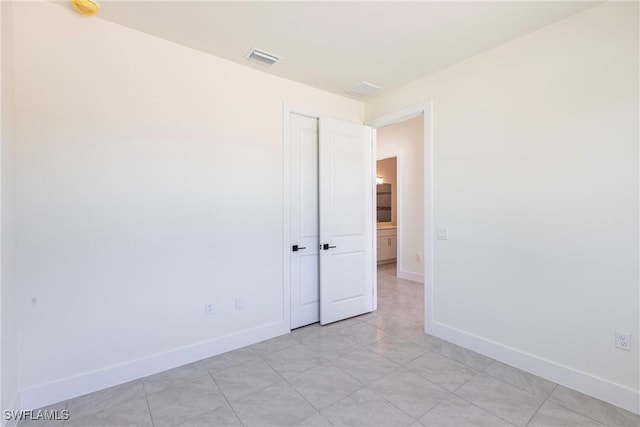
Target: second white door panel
{"x": 346, "y": 220}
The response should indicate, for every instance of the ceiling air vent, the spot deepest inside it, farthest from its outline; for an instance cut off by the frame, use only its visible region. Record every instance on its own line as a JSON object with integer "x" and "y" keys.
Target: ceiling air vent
{"x": 363, "y": 89}
{"x": 263, "y": 57}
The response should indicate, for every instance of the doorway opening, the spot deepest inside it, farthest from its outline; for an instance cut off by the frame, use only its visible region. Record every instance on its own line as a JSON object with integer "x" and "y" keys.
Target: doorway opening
{"x": 386, "y": 210}
{"x": 400, "y": 196}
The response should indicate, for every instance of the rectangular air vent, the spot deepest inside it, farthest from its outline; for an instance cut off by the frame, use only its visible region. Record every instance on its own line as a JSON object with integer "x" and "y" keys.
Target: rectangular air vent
{"x": 263, "y": 57}
{"x": 363, "y": 89}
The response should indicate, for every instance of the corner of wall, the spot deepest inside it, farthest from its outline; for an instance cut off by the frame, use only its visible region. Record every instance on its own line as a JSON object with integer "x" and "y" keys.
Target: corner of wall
{"x": 9, "y": 396}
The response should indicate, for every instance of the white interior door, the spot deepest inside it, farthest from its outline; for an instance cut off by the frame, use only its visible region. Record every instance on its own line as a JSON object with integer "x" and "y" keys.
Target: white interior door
{"x": 346, "y": 220}
{"x": 305, "y": 286}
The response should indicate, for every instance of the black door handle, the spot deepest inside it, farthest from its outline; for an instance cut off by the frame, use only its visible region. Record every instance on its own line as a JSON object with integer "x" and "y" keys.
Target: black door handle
{"x": 326, "y": 247}
{"x": 296, "y": 248}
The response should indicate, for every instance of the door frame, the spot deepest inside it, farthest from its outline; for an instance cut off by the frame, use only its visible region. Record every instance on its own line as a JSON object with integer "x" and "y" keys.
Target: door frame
{"x": 426, "y": 109}
{"x": 398, "y": 157}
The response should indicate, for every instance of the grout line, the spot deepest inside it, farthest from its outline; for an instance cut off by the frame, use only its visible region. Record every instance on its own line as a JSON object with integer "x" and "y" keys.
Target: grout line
{"x": 465, "y": 383}
{"x": 327, "y": 361}
{"x": 520, "y": 388}
{"x": 449, "y": 394}
{"x": 146, "y": 398}
{"x": 573, "y": 410}
{"x": 301, "y": 395}
{"x": 484, "y": 409}
{"x": 391, "y": 403}
{"x": 541, "y": 405}
{"x": 253, "y": 392}
{"x": 226, "y": 399}
{"x": 324, "y": 362}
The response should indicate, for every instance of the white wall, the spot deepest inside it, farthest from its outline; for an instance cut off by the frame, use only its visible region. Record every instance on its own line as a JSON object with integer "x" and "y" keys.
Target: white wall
{"x": 405, "y": 139}
{"x": 8, "y": 317}
{"x": 150, "y": 183}
{"x": 536, "y": 177}
{"x": 387, "y": 170}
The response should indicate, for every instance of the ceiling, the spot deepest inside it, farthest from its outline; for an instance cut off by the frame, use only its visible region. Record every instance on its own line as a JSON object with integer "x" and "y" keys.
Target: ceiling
{"x": 335, "y": 45}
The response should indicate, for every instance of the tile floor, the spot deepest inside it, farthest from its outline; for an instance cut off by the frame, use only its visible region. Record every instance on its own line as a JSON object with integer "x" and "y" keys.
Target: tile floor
{"x": 378, "y": 369}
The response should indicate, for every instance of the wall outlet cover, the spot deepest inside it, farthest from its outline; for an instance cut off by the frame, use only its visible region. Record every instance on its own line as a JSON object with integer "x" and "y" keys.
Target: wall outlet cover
{"x": 209, "y": 309}
{"x": 623, "y": 341}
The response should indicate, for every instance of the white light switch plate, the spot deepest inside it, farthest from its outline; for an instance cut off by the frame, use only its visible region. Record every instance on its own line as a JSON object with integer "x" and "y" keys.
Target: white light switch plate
{"x": 442, "y": 234}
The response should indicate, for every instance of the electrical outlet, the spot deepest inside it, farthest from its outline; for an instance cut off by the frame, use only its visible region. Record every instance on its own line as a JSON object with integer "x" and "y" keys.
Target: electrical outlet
{"x": 418, "y": 257}
{"x": 209, "y": 308}
{"x": 623, "y": 341}
{"x": 239, "y": 303}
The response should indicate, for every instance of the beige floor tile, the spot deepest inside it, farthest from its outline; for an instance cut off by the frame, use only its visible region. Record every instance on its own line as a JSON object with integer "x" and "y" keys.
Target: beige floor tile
{"x": 365, "y": 408}
{"x": 294, "y": 360}
{"x": 502, "y": 399}
{"x": 277, "y": 405}
{"x": 457, "y": 412}
{"x": 552, "y": 415}
{"x": 417, "y": 335}
{"x": 521, "y": 379}
{"x": 331, "y": 346}
{"x": 363, "y": 333}
{"x": 274, "y": 344}
{"x": 398, "y": 349}
{"x": 173, "y": 377}
{"x": 134, "y": 413}
{"x": 460, "y": 354}
{"x": 223, "y": 416}
{"x": 230, "y": 358}
{"x": 365, "y": 365}
{"x": 315, "y": 420}
{"x": 324, "y": 385}
{"x": 104, "y": 399}
{"x": 391, "y": 323}
{"x": 409, "y": 392}
{"x": 175, "y": 405}
{"x": 441, "y": 370}
{"x": 241, "y": 380}
{"x": 593, "y": 408}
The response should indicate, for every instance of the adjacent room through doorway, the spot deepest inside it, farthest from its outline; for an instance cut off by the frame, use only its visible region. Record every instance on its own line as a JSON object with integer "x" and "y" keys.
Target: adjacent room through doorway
{"x": 400, "y": 217}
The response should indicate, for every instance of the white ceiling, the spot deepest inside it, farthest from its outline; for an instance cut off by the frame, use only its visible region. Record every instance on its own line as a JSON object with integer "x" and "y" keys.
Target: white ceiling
{"x": 334, "y": 45}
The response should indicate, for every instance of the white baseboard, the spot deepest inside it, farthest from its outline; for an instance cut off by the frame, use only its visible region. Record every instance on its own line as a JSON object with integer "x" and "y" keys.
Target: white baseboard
{"x": 68, "y": 388}
{"x": 414, "y": 277}
{"x": 14, "y": 405}
{"x": 616, "y": 394}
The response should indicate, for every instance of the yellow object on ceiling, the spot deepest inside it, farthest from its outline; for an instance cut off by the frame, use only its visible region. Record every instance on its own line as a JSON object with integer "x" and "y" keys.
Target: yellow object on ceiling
{"x": 86, "y": 7}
